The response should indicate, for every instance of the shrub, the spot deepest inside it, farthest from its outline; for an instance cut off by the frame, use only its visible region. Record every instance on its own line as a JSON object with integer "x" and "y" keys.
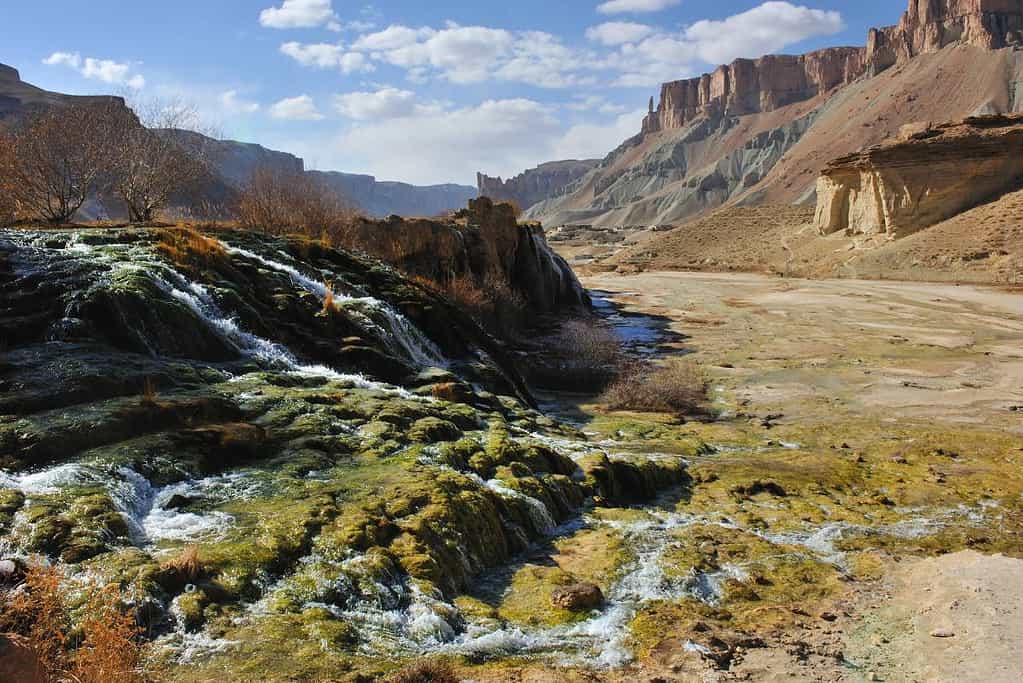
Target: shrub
{"x": 105, "y": 647}
{"x": 677, "y": 386}
{"x": 585, "y": 355}
{"x": 425, "y": 672}
{"x": 280, "y": 202}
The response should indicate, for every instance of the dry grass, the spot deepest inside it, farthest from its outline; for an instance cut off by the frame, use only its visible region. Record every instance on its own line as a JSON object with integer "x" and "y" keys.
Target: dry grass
{"x": 186, "y": 566}
{"x": 328, "y": 300}
{"x": 103, "y": 649}
{"x": 585, "y": 355}
{"x": 109, "y": 652}
{"x": 185, "y": 245}
{"x": 149, "y": 392}
{"x": 425, "y": 672}
{"x": 678, "y": 386}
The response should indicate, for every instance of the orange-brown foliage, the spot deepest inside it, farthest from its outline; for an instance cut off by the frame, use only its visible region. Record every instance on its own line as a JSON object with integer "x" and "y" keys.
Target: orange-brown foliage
{"x": 109, "y": 651}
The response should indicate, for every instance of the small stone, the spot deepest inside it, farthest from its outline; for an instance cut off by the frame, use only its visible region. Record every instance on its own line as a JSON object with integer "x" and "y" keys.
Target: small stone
{"x": 943, "y": 633}
{"x": 872, "y": 676}
{"x": 578, "y": 597}
{"x": 8, "y": 568}
{"x": 828, "y": 616}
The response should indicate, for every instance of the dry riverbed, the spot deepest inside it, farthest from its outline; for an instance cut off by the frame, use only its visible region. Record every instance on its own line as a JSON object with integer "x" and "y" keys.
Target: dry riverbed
{"x": 861, "y": 511}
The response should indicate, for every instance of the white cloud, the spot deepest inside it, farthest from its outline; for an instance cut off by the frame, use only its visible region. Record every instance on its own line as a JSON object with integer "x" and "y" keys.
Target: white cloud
{"x": 300, "y": 14}
{"x": 234, "y": 104}
{"x": 761, "y": 30}
{"x": 594, "y": 140}
{"x": 473, "y": 54}
{"x": 618, "y": 32}
{"x": 596, "y": 103}
{"x": 498, "y": 136}
{"x": 764, "y": 29}
{"x": 626, "y": 6}
{"x": 301, "y": 108}
{"x": 385, "y": 103}
{"x": 327, "y": 56}
{"x": 72, "y": 59}
{"x": 106, "y": 70}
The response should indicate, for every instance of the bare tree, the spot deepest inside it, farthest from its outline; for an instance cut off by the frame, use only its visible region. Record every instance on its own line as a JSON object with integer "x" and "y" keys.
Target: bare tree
{"x": 277, "y": 201}
{"x": 59, "y": 158}
{"x": 153, "y": 163}
{"x": 8, "y": 206}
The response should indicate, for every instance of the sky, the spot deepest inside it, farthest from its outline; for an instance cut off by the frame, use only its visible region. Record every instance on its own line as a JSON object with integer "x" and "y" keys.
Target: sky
{"x": 422, "y": 91}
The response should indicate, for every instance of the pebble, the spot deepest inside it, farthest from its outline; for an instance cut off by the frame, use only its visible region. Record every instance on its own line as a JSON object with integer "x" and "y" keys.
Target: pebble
{"x": 942, "y": 633}
{"x": 7, "y": 568}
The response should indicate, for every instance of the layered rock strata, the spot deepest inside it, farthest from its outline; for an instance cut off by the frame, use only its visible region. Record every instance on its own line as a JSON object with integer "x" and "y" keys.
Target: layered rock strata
{"x": 535, "y": 185}
{"x": 927, "y": 176}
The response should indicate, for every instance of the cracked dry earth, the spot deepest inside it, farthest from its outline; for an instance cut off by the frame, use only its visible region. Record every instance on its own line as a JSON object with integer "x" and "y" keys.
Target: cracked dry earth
{"x": 873, "y": 429}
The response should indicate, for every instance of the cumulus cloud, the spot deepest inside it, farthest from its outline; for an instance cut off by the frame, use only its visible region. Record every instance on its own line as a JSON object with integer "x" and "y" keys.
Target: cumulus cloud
{"x": 634, "y": 6}
{"x": 301, "y": 108}
{"x": 385, "y": 103}
{"x": 618, "y": 32}
{"x": 327, "y": 56}
{"x": 300, "y": 14}
{"x": 763, "y": 29}
{"x": 106, "y": 70}
{"x": 473, "y": 54}
{"x": 232, "y": 103}
{"x": 663, "y": 56}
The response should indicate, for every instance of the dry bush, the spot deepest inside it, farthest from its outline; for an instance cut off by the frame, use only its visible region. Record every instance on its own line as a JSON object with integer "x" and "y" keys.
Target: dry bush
{"x": 105, "y": 647}
{"x": 425, "y": 672}
{"x": 8, "y": 206}
{"x": 584, "y": 355}
{"x": 677, "y": 386}
{"x": 278, "y": 202}
{"x": 36, "y": 610}
{"x": 109, "y": 651}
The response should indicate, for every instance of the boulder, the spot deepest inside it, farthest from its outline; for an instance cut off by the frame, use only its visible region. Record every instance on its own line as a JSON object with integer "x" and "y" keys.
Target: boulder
{"x": 578, "y": 597}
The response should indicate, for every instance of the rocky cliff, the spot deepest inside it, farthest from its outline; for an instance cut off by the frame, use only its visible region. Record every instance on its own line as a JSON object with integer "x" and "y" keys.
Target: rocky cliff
{"x": 17, "y": 96}
{"x": 381, "y": 198}
{"x": 928, "y": 175}
{"x": 758, "y": 131}
{"x": 546, "y": 181}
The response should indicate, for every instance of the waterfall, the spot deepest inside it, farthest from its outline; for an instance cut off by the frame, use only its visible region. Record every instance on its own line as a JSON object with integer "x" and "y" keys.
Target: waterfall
{"x": 393, "y": 327}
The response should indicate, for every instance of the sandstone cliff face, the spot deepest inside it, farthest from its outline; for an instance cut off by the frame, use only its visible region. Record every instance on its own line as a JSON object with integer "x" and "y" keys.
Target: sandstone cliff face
{"x": 759, "y": 131}
{"x": 535, "y": 185}
{"x": 929, "y": 25}
{"x": 748, "y": 86}
{"x": 18, "y": 98}
{"x": 934, "y": 173}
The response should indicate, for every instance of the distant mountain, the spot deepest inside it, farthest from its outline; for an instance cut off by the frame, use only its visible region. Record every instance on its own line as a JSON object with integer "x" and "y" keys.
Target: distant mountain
{"x": 546, "y": 181}
{"x": 759, "y": 131}
{"x": 383, "y": 198}
{"x": 236, "y": 161}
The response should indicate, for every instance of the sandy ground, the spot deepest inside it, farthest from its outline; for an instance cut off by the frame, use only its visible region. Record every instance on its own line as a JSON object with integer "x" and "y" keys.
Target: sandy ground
{"x": 819, "y": 350}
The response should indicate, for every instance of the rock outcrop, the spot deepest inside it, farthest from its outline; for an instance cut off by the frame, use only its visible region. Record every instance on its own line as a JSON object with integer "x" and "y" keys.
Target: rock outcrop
{"x": 931, "y": 174}
{"x": 382, "y": 198}
{"x": 18, "y": 97}
{"x": 929, "y": 25}
{"x": 758, "y": 131}
{"x": 749, "y": 86}
{"x": 546, "y": 181}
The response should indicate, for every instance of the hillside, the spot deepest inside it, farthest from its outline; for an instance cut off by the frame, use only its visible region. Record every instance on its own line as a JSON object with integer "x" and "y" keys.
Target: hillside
{"x": 235, "y": 162}
{"x": 758, "y": 131}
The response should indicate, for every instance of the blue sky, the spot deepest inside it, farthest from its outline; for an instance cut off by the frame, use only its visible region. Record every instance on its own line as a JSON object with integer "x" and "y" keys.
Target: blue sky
{"x": 414, "y": 90}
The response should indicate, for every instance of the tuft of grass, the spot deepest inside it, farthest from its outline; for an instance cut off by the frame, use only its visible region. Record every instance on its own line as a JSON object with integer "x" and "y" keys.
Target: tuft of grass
{"x": 186, "y": 565}
{"x": 187, "y": 246}
{"x": 149, "y": 392}
{"x": 425, "y": 672}
{"x": 328, "y": 300}
{"x": 677, "y": 386}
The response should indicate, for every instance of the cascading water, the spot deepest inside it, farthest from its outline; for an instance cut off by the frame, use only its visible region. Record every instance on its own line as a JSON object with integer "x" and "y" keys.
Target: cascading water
{"x": 392, "y": 326}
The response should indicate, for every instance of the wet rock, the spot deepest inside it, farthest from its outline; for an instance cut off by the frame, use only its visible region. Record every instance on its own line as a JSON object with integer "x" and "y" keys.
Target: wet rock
{"x": 432, "y": 430}
{"x": 578, "y": 597}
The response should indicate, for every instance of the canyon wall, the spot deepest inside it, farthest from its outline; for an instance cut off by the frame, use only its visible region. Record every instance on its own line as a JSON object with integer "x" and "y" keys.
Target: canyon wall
{"x": 382, "y": 198}
{"x": 544, "y": 182}
{"x": 927, "y": 176}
